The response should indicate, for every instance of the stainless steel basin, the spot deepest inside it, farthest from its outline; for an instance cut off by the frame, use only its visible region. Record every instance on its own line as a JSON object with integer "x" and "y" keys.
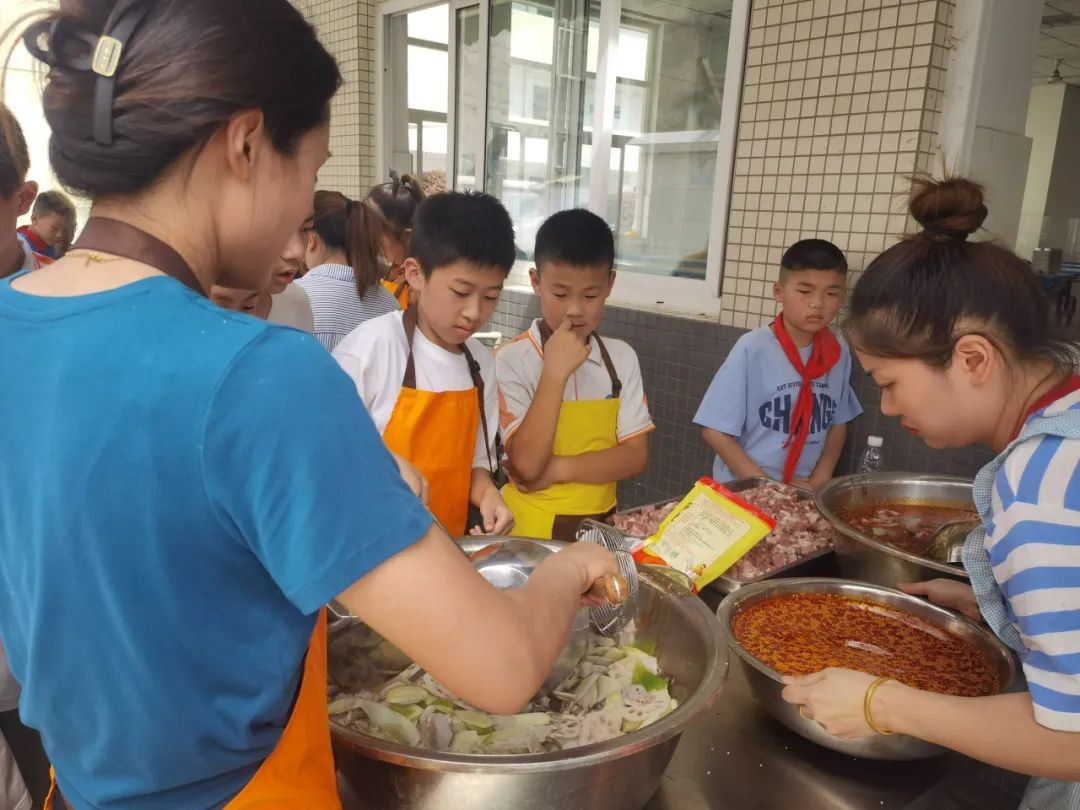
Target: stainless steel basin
{"x": 619, "y": 774}
{"x": 861, "y": 557}
{"x": 766, "y": 684}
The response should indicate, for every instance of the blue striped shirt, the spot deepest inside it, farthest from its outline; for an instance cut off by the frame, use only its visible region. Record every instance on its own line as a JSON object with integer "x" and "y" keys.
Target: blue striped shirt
{"x": 1025, "y": 569}
{"x": 335, "y": 304}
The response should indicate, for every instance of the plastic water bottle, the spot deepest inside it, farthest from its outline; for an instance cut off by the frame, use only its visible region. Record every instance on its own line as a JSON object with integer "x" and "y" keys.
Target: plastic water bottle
{"x": 872, "y": 460}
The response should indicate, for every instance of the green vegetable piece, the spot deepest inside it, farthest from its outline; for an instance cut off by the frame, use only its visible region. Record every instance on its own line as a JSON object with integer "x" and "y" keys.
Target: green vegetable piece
{"x": 630, "y": 726}
{"x": 477, "y": 721}
{"x": 646, "y": 645}
{"x": 442, "y": 705}
{"x": 532, "y": 719}
{"x": 391, "y": 722}
{"x": 410, "y": 712}
{"x": 341, "y": 705}
{"x": 465, "y": 742}
{"x": 406, "y": 695}
{"x": 651, "y": 682}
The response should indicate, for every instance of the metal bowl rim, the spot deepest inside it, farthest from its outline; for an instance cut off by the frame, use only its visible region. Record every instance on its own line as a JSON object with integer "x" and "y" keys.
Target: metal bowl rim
{"x": 901, "y": 478}
{"x": 714, "y": 674}
{"x": 727, "y": 609}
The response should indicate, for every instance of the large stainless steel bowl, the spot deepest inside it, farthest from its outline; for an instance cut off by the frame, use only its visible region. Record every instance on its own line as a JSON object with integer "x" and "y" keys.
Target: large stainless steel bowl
{"x": 619, "y": 774}
{"x": 861, "y": 557}
{"x": 766, "y": 683}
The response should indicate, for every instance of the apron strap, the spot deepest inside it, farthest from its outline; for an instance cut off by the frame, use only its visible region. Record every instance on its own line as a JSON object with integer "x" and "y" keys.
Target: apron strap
{"x": 120, "y": 239}
{"x": 616, "y": 383}
{"x": 410, "y": 320}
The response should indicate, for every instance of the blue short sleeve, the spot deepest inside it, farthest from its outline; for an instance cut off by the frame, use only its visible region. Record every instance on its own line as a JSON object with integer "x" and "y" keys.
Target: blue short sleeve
{"x": 848, "y": 408}
{"x": 724, "y": 406}
{"x": 296, "y": 470}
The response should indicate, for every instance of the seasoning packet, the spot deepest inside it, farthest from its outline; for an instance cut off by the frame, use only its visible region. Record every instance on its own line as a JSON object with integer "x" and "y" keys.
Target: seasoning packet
{"x": 708, "y": 532}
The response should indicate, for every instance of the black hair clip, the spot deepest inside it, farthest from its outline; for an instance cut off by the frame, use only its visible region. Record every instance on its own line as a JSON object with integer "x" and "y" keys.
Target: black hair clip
{"x": 60, "y": 43}
{"x": 108, "y": 51}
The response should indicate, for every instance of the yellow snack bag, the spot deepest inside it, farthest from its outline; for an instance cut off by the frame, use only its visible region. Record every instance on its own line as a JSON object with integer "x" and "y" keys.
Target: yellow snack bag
{"x": 709, "y": 531}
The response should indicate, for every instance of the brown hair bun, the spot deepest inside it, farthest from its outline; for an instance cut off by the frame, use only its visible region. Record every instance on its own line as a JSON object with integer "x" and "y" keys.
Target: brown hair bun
{"x": 951, "y": 208}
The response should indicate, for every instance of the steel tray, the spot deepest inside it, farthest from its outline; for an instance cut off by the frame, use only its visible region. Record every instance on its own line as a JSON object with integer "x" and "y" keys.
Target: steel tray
{"x": 814, "y": 564}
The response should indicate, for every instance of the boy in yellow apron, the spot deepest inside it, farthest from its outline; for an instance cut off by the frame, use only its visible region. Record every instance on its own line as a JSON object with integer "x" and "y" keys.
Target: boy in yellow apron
{"x": 573, "y": 409}
{"x": 428, "y": 385}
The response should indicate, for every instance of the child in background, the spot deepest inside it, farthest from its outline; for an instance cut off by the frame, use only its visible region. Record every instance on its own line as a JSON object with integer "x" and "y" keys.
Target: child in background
{"x": 779, "y": 405}
{"x": 427, "y": 383}
{"x": 282, "y": 302}
{"x": 344, "y": 250}
{"x": 398, "y": 201}
{"x": 16, "y": 196}
{"x": 50, "y": 219}
{"x": 572, "y": 404}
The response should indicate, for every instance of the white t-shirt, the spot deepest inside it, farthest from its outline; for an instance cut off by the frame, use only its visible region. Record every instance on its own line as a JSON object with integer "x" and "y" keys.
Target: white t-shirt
{"x": 374, "y": 355}
{"x": 29, "y": 262}
{"x": 9, "y": 687}
{"x": 13, "y": 792}
{"x": 519, "y": 363}
{"x": 292, "y": 307}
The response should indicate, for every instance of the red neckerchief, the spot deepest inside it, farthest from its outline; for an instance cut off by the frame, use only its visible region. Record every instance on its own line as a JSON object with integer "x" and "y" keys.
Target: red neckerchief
{"x": 36, "y": 244}
{"x": 825, "y": 355}
{"x": 1063, "y": 389}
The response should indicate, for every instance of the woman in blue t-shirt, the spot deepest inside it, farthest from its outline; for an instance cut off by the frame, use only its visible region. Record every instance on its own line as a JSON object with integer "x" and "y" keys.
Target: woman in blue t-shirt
{"x": 958, "y": 337}
{"x": 169, "y": 532}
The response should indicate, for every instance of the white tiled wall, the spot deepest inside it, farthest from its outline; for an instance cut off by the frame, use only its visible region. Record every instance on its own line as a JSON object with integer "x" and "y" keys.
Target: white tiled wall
{"x": 840, "y": 105}
{"x": 347, "y": 29}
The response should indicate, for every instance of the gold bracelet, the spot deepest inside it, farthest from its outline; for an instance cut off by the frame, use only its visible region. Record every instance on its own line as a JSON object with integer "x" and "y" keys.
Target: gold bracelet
{"x": 866, "y": 705}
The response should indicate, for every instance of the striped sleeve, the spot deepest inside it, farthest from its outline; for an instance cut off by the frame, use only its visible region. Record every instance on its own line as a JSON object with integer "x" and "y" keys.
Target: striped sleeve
{"x": 1034, "y": 546}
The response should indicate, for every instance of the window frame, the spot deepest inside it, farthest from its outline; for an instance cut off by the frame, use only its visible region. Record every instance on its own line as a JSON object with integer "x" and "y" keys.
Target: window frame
{"x": 696, "y": 297}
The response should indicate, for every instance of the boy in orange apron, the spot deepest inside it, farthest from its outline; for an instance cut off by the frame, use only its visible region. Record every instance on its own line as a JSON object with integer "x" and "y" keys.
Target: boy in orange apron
{"x": 428, "y": 385}
{"x": 573, "y": 409}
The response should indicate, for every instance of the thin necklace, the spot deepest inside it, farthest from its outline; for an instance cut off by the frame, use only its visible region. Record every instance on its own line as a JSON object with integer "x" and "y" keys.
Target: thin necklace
{"x": 94, "y": 256}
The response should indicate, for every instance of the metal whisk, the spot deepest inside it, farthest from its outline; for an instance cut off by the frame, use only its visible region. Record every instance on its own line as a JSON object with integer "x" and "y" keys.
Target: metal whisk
{"x": 609, "y": 619}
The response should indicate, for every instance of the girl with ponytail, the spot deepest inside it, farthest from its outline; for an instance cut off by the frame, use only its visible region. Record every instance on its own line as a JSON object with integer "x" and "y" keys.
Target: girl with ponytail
{"x": 345, "y": 249}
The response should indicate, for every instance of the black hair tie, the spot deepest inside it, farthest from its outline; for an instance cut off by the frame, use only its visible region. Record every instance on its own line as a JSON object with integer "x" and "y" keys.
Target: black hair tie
{"x": 349, "y": 205}
{"x": 935, "y": 232}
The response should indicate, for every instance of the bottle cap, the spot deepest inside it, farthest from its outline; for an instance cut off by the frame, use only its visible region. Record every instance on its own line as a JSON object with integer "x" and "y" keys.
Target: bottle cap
{"x": 875, "y": 441}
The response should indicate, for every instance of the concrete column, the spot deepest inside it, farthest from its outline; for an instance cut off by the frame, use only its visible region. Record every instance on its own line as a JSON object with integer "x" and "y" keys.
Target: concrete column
{"x": 984, "y": 113}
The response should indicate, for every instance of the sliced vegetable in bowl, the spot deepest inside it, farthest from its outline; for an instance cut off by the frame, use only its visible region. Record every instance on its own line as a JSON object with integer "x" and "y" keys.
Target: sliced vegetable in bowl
{"x": 615, "y": 690}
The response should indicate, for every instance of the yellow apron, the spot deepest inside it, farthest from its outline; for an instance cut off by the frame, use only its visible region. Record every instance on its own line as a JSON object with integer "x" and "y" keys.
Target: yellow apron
{"x": 585, "y": 426}
{"x": 436, "y": 432}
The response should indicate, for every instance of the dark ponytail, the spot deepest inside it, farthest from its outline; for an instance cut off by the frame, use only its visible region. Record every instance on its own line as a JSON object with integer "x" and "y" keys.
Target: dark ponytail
{"x": 357, "y": 228}
{"x": 923, "y": 294}
{"x": 397, "y": 201}
{"x": 185, "y": 69}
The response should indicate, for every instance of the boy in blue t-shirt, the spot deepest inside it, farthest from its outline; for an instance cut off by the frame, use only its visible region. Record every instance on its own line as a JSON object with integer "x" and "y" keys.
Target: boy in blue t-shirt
{"x": 780, "y": 403}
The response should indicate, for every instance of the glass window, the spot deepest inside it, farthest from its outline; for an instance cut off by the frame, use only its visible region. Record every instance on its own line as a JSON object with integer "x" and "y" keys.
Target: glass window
{"x": 670, "y": 68}
{"x": 541, "y": 57}
{"x": 469, "y": 109}
{"x": 417, "y": 92}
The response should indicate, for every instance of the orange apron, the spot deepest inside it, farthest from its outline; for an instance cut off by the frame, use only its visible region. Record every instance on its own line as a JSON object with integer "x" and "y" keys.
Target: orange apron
{"x": 300, "y": 770}
{"x": 436, "y": 432}
{"x": 400, "y": 291}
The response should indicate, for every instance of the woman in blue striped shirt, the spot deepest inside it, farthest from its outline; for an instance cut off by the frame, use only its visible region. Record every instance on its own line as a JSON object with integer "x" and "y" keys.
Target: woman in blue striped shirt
{"x": 957, "y": 336}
